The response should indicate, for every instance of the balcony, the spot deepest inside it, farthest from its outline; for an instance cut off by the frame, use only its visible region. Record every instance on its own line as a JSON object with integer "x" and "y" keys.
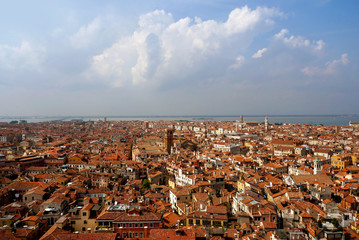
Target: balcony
{"x": 104, "y": 229}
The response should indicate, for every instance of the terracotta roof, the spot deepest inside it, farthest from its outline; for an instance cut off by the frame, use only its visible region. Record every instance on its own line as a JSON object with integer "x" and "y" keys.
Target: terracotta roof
{"x": 311, "y": 179}
{"x": 170, "y": 219}
{"x": 87, "y": 236}
{"x": 176, "y": 234}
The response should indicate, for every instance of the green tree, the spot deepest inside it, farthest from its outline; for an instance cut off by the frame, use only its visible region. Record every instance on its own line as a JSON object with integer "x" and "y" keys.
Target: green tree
{"x": 335, "y": 222}
{"x": 146, "y": 184}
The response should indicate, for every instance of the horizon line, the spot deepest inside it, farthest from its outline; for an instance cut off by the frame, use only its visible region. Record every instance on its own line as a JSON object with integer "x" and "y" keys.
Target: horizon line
{"x": 179, "y": 115}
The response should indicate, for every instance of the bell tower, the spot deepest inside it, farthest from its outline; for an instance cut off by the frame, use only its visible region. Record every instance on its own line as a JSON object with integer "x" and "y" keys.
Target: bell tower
{"x": 266, "y": 124}
{"x": 317, "y": 166}
{"x": 169, "y": 140}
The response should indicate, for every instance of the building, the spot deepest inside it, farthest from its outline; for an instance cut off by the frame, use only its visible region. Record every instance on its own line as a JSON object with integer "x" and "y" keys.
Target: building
{"x": 212, "y": 216}
{"x": 169, "y": 140}
{"x": 134, "y": 223}
{"x": 342, "y": 161}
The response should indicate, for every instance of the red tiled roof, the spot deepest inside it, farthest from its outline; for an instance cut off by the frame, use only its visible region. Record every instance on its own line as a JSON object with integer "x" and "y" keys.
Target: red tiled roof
{"x": 173, "y": 234}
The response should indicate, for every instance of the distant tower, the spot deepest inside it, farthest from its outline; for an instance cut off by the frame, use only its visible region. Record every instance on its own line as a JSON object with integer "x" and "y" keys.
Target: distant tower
{"x": 105, "y": 119}
{"x": 266, "y": 123}
{"x": 205, "y": 130}
{"x": 241, "y": 119}
{"x": 317, "y": 166}
{"x": 169, "y": 140}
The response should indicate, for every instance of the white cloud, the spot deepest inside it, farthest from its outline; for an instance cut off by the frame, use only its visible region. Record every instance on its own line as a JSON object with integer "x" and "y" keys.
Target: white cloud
{"x": 23, "y": 57}
{"x": 113, "y": 64}
{"x": 259, "y": 53}
{"x": 330, "y": 67}
{"x": 298, "y": 41}
{"x": 155, "y": 21}
{"x": 102, "y": 31}
{"x": 238, "y": 63}
{"x": 83, "y": 37}
{"x": 163, "y": 50}
{"x": 244, "y": 19}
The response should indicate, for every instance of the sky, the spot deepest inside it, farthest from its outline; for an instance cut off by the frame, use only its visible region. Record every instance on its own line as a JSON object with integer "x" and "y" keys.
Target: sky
{"x": 206, "y": 57}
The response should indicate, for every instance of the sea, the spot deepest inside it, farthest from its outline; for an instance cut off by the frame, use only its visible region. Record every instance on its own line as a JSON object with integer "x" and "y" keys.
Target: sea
{"x": 327, "y": 120}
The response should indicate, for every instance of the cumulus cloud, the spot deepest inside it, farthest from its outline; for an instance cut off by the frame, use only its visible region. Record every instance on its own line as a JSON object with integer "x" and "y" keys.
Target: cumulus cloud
{"x": 298, "y": 41}
{"x": 245, "y": 19}
{"x": 23, "y": 57}
{"x": 155, "y": 21}
{"x": 113, "y": 64}
{"x": 102, "y": 31}
{"x": 83, "y": 37}
{"x": 164, "y": 50}
{"x": 330, "y": 67}
{"x": 259, "y": 53}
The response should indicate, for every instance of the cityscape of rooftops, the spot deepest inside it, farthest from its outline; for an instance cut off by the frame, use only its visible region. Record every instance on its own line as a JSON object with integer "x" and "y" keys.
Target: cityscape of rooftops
{"x": 166, "y": 119}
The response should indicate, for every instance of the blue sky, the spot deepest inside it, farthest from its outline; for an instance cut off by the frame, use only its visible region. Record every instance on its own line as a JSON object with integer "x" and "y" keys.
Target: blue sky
{"x": 178, "y": 57}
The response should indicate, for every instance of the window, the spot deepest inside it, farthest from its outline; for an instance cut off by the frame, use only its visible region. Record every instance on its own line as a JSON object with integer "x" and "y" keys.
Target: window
{"x": 206, "y": 222}
{"x": 25, "y": 198}
{"x": 130, "y": 225}
{"x": 190, "y": 221}
{"x": 136, "y": 225}
{"x": 124, "y": 235}
{"x": 85, "y": 222}
{"x": 198, "y": 222}
{"x": 141, "y": 225}
{"x": 83, "y": 229}
{"x": 217, "y": 223}
{"x": 151, "y": 225}
{"x": 141, "y": 234}
{"x": 136, "y": 234}
{"x": 130, "y": 234}
{"x": 84, "y": 214}
{"x": 73, "y": 222}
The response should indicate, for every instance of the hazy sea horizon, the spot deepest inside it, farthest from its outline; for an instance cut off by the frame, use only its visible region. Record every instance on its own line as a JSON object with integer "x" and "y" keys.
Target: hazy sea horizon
{"x": 327, "y": 120}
